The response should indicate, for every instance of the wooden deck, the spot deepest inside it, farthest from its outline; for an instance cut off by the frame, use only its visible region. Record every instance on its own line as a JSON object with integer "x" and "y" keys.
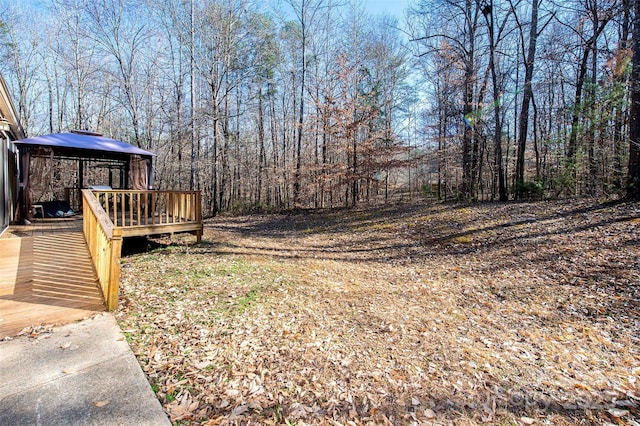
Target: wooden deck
{"x": 56, "y": 271}
{"x": 41, "y": 227}
{"x": 46, "y": 276}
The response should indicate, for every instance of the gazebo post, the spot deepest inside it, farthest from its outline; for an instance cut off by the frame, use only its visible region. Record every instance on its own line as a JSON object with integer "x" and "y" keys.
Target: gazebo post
{"x": 80, "y": 180}
{"x": 23, "y": 164}
{"x": 125, "y": 181}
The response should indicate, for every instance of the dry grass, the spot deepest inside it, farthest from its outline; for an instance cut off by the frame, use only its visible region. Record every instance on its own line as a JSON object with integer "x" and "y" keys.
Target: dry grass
{"x": 520, "y": 313}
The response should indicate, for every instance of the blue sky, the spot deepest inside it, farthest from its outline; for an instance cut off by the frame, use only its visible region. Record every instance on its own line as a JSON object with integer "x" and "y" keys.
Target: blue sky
{"x": 393, "y": 7}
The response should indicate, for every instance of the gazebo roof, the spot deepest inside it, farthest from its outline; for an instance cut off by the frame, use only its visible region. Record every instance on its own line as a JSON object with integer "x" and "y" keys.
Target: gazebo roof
{"x": 91, "y": 143}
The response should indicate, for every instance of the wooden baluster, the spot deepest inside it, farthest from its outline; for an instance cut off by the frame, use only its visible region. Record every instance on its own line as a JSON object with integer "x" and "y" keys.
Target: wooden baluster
{"x": 164, "y": 212}
{"x": 145, "y": 208}
{"x": 175, "y": 198}
{"x": 169, "y": 208}
{"x": 123, "y": 205}
{"x": 178, "y": 208}
{"x": 185, "y": 207}
{"x": 153, "y": 208}
{"x": 130, "y": 209}
{"x": 198, "y": 216}
{"x": 175, "y": 207}
{"x": 105, "y": 201}
{"x": 188, "y": 201}
{"x": 115, "y": 208}
{"x": 172, "y": 207}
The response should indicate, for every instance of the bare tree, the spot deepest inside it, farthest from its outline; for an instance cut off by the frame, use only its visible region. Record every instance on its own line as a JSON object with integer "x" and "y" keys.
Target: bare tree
{"x": 123, "y": 38}
{"x": 527, "y": 91}
{"x": 633, "y": 180}
{"x": 489, "y": 12}
{"x": 599, "y": 17}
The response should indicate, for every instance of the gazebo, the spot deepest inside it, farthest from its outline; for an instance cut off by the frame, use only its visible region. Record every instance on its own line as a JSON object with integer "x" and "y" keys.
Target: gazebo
{"x": 120, "y": 165}
{"x": 111, "y": 182}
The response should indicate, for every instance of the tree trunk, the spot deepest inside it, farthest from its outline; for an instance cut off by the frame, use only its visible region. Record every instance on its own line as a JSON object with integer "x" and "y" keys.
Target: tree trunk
{"x": 590, "y": 45}
{"x": 262, "y": 158}
{"x": 467, "y": 190}
{"x": 620, "y": 81}
{"x": 633, "y": 180}
{"x": 296, "y": 182}
{"x": 502, "y": 189}
{"x": 526, "y": 98}
{"x": 192, "y": 76}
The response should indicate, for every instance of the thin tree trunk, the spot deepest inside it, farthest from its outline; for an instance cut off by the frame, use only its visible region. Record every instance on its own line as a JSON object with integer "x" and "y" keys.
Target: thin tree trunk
{"x": 296, "y": 182}
{"x": 526, "y": 98}
{"x": 261, "y": 154}
{"x": 633, "y": 180}
{"x": 192, "y": 76}
{"x": 620, "y": 80}
{"x": 589, "y": 46}
{"x": 502, "y": 190}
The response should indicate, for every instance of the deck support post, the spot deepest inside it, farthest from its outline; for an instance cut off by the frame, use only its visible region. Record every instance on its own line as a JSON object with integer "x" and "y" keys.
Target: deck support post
{"x": 114, "y": 273}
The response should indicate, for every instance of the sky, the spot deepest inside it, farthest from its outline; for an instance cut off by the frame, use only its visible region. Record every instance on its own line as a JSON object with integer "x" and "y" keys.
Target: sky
{"x": 393, "y": 7}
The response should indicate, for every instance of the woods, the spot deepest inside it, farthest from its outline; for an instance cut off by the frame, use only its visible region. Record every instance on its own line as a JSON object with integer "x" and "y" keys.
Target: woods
{"x": 311, "y": 104}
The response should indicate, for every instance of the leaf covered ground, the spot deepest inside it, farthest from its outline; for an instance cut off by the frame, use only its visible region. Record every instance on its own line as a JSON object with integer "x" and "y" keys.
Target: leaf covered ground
{"x": 517, "y": 313}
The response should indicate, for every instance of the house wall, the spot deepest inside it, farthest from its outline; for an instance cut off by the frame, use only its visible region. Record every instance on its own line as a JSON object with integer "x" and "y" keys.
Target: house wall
{"x": 5, "y": 210}
{"x": 10, "y": 131}
{"x": 8, "y": 182}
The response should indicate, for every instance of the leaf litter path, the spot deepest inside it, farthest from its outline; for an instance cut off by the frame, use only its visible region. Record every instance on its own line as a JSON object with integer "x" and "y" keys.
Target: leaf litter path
{"x": 517, "y": 313}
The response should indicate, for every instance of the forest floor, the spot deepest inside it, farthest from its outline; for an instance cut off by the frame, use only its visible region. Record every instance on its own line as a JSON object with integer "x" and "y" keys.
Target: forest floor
{"x": 514, "y": 314}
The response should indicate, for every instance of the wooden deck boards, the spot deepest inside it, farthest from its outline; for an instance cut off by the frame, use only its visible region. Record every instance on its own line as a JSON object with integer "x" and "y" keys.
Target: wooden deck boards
{"x": 45, "y": 227}
{"x": 46, "y": 276}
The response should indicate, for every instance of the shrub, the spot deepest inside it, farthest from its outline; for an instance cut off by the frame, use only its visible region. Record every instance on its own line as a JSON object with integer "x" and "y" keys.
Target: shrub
{"x": 530, "y": 190}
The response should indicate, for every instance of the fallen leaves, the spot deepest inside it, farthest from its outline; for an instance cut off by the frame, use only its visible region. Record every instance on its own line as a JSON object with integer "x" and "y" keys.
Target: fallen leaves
{"x": 509, "y": 313}
{"x": 184, "y": 408}
{"x": 36, "y": 331}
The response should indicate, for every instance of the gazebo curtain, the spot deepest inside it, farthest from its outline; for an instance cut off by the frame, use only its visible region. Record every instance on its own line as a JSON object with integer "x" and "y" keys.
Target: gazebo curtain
{"x": 138, "y": 173}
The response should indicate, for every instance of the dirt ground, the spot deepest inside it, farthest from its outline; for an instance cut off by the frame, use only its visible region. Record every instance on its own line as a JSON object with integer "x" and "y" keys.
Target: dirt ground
{"x": 514, "y": 314}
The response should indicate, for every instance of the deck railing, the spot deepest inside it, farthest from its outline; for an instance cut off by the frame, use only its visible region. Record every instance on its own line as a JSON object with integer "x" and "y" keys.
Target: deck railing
{"x": 148, "y": 212}
{"x": 110, "y": 215}
{"x": 105, "y": 245}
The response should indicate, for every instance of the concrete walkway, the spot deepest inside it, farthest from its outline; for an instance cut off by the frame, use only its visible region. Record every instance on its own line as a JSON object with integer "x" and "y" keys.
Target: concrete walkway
{"x": 81, "y": 374}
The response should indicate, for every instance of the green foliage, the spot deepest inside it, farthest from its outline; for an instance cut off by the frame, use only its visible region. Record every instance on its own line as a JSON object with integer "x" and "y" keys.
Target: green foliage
{"x": 6, "y": 43}
{"x": 128, "y": 337}
{"x": 4, "y": 30}
{"x": 262, "y": 40}
{"x": 530, "y": 190}
{"x": 565, "y": 182}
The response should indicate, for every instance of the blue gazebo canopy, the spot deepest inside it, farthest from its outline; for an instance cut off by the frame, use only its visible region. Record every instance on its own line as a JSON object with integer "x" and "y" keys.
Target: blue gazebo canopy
{"x": 86, "y": 144}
